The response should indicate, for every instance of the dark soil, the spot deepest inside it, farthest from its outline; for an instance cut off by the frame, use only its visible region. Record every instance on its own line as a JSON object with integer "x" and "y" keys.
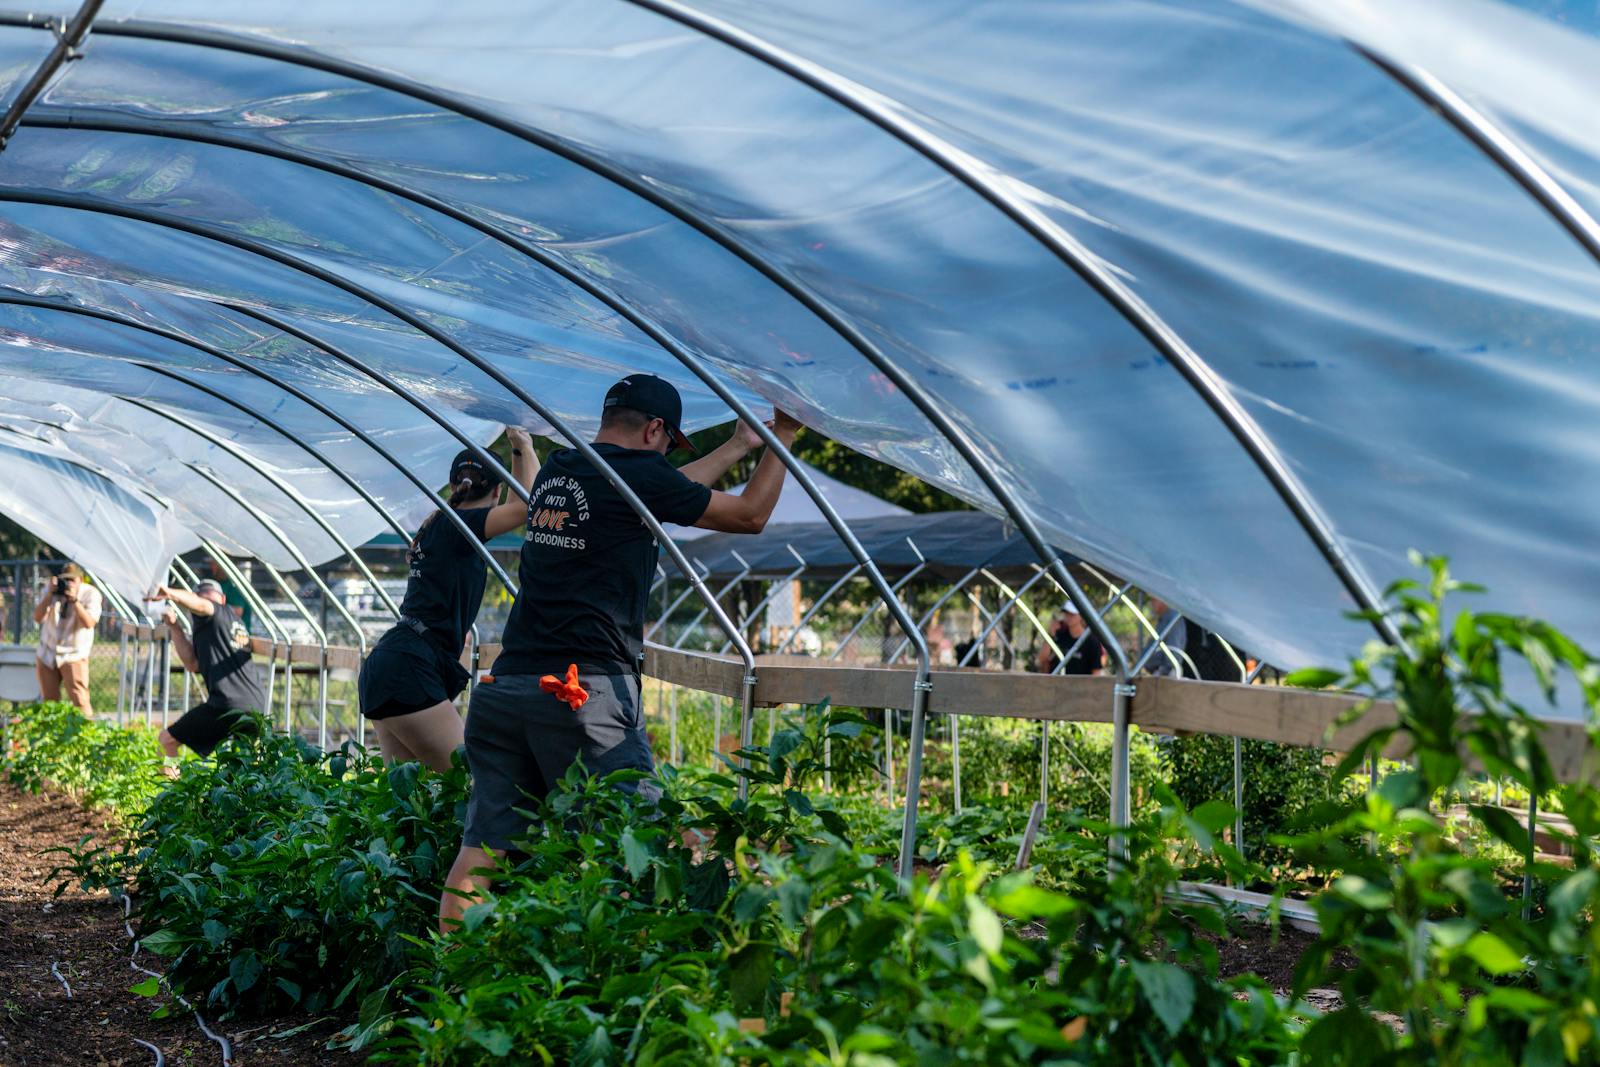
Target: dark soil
{"x": 84, "y": 937}
{"x": 1269, "y": 955}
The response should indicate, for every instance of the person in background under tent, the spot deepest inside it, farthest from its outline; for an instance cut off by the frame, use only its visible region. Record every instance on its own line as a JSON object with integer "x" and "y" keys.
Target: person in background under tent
{"x": 409, "y": 682}
{"x": 232, "y": 594}
{"x": 1086, "y": 659}
{"x": 1200, "y": 653}
{"x": 587, "y": 561}
{"x": 68, "y": 611}
{"x": 219, "y": 652}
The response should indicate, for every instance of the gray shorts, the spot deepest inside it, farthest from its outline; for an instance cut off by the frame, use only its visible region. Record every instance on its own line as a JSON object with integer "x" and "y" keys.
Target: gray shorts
{"x": 521, "y": 742}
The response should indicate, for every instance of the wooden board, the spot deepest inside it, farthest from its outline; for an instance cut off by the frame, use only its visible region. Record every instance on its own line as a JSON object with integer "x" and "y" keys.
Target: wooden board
{"x": 1310, "y": 719}
{"x": 703, "y": 671}
{"x": 1165, "y": 705}
{"x": 1268, "y": 713}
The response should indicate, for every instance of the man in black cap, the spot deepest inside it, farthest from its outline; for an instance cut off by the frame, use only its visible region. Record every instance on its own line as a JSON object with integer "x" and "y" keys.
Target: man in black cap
{"x": 566, "y": 683}
{"x": 219, "y": 652}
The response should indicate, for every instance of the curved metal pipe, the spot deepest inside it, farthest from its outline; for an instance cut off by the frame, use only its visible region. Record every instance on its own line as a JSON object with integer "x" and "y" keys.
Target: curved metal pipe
{"x": 175, "y": 575}
{"x": 483, "y": 455}
{"x": 713, "y": 230}
{"x": 304, "y": 397}
{"x": 1028, "y": 613}
{"x": 894, "y": 593}
{"x": 1159, "y": 642}
{"x": 773, "y": 589}
{"x": 1500, "y": 147}
{"x": 1001, "y": 612}
{"x": 278, "y": 483}
{"x": 1102, "y": 279}
{"x": 557, "y": 265}
{"x": 816, "y": 606}
{"x": 679, "y": 599}
{"x": 720, "y": 593}
{"x": 1121, "y": 594}
{"x": 640, "y": 187}
{"x": 69, "y": 37}
{"x": 584, "y": 448}
{"x": 1078, "y": 643}
{"x": 288, "y": 660}
{"x": 928, "y": 615}
{"x": 269, "y": 617}
{"x": 289, "y": 546}
{"x": 421, "y": 325}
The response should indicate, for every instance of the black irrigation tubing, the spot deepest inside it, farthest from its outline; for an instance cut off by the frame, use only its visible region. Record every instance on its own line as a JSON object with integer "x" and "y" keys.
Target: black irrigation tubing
{"x": 222, "y": 1042}
{"x": 55, "y": 969}
{"x": 161, "y": 1058}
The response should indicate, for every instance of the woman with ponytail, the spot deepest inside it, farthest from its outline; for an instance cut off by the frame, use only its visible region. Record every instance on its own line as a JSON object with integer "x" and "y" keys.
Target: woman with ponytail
{"x": 412, "y": 676}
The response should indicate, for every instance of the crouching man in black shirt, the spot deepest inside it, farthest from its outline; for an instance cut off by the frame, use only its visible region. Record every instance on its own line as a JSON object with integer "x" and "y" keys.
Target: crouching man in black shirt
{"x": 587, "y": 561}
{"x": 220, "y": 654}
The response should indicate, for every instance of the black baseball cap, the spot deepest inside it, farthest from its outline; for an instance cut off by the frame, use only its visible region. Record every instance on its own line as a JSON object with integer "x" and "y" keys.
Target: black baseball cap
{"x": 654, "y": 397}
{"x": 467, "y": 459}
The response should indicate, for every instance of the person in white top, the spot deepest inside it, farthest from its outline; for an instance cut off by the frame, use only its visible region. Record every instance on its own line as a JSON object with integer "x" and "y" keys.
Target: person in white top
{"x": 67, "y": 613}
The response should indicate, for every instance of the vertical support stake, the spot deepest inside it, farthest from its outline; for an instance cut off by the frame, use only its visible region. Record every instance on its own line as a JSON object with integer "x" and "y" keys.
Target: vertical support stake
{"x": 1533, "y": 847}
{"x": 1035, "y": 820}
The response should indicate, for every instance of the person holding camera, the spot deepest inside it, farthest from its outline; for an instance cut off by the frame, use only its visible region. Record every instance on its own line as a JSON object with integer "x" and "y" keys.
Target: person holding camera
{"x": 67, "y": 613}
{"x": 219, "y": 652}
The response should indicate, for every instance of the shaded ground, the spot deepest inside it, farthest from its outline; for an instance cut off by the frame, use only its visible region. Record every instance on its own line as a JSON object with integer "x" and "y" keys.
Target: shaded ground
{"x": 83, "y": 937}
{"x": 1256, "y": 950}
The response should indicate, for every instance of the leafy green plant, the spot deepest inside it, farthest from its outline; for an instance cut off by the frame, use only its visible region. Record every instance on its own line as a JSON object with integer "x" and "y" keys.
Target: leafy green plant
{"x": 52, "y": 743}
{"x": 274, "y": 877}
{"x": 723, "y": 931}
{"x": 1439, "y": 940}
{"x": 1283, "y": 785}
{"x": 1000, "y": 766}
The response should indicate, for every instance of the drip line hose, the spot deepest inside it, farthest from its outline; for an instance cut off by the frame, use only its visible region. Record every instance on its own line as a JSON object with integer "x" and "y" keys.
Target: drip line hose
{"x": 55, "y": 969}
{"x": 222, "y": 1042}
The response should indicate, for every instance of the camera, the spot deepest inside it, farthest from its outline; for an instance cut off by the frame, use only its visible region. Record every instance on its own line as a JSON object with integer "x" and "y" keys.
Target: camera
{"x": 60, "y": 586}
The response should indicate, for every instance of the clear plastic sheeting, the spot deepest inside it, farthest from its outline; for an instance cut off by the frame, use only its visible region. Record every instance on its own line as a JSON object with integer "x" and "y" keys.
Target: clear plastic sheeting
{"x": 796, "y": 506}
{"x": 123, "y": 539}
{"x": 1410, "y": 335}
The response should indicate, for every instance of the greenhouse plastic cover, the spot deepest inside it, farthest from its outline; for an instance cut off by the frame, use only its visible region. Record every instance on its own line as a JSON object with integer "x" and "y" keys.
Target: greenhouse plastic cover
{"x": 796, "y": 506}
{"x": 1411, "y": 335}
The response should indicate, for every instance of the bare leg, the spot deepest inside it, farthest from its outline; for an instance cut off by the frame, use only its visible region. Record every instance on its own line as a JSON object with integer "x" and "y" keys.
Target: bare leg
{"x": 394, "y": 750}
{"x": 462, "y": 887}
{"x": 169, "y": 745}
{"x": 430, "y": 735}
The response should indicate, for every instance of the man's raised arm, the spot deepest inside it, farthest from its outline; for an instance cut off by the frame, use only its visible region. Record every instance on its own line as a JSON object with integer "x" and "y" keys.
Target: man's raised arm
{"x": 192, "y": 602}
{"x": 709, "y": 468}
{"x": 749, "y": 511}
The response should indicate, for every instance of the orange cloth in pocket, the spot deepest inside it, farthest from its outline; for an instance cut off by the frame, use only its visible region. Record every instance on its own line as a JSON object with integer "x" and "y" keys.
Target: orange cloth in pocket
{"x": 568, "y": 690}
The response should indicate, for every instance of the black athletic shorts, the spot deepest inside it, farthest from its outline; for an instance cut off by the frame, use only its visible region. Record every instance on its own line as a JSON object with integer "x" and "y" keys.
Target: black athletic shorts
{"x": 206, "y": 725}
{"x": 521, "y": 740}
{"x": 404, "y": 673}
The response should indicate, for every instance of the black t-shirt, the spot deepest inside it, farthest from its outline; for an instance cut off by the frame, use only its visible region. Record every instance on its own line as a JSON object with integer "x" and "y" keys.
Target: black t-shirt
{"x": 587, "y": 561}
{"x": 445, "y": 587}
{"x": 1086, "y": 660}
{"x": 231, "y": 680}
